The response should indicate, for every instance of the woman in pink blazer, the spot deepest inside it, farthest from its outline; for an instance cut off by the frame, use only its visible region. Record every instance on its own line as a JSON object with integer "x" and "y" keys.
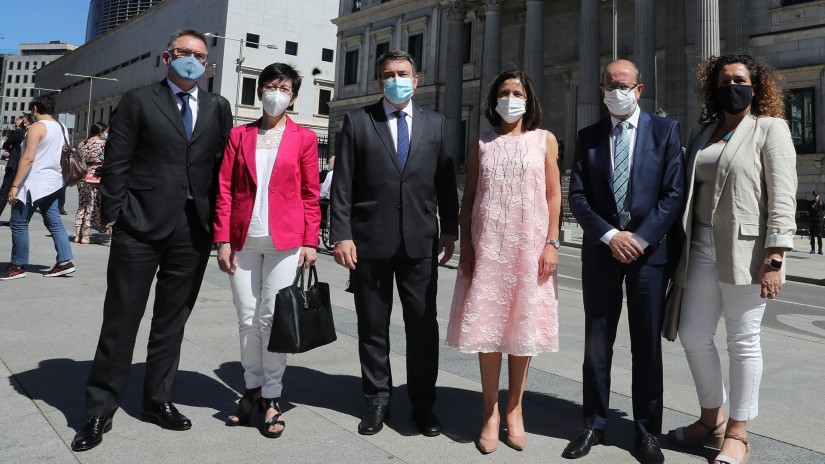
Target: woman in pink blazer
{"x": 266, "y": 225}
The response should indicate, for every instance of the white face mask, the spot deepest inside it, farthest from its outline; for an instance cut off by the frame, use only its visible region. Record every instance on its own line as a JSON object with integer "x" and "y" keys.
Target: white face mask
{"x": 619, "y": 103}
{"x": 511, "y": 109}
{"x": 275, "y": 103}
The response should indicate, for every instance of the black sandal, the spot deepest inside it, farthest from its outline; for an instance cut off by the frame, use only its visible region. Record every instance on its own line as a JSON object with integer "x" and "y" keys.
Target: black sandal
{"x": 271, "y": 403}
{"x": 242, "y": 414}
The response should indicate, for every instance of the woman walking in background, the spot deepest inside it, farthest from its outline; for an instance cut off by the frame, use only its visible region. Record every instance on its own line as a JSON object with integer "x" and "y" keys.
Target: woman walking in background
{"x": 88, "y": 208}
{"x": 506, "y": 298}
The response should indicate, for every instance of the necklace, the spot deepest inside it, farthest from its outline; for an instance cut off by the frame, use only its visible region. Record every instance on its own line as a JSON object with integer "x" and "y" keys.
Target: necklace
{"x": 727, "y": 136}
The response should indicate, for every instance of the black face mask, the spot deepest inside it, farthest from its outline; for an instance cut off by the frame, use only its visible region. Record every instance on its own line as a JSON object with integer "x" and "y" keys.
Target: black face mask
{"x": 734, "y": 98}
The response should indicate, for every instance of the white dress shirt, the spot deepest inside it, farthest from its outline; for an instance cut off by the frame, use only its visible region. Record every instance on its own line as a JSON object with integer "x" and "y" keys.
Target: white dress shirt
{"x": 631, "y": 130}
{"x": 392, "y": 120}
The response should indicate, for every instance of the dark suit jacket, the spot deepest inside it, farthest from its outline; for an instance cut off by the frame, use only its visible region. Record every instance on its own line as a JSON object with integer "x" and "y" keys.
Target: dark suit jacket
{"x": 150, "y": 166}
{"x": 13, "y": 146}
{"x": 377, "y": 205}
{"x": 656, "y": 187}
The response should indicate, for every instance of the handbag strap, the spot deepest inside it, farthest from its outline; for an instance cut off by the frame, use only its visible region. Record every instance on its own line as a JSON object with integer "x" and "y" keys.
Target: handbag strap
{"x": 313, "y": 274}
{"x": 299, "y": 278}
{"x": 65, "y": 139}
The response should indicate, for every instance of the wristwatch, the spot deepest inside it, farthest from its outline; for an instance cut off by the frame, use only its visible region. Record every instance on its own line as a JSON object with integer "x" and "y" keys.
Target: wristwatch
{"x": 556, "y": 244}
{"x": 220, "y": 244}
{"x": 775, "y": 264}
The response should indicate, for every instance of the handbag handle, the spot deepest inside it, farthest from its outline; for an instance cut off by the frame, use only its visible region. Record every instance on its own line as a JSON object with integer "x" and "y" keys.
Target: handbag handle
{"x": 313, "y": 273}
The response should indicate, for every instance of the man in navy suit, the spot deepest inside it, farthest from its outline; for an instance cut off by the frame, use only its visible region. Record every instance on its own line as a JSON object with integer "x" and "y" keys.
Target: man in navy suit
{"x": 626, "y": 192}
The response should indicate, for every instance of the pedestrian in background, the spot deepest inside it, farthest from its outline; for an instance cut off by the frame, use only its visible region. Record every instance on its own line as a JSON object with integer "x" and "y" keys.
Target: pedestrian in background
{"x": 738, "y": 223}
{"x": 12, "y": 146}
{"x": 816, "y": 221}
{"x": 88, "y": 209}
{"x": 164, "y": 149}
{"x": 266, "y": 226}
{"x": 38, "y": 181}
{"x": 506, "y": 297}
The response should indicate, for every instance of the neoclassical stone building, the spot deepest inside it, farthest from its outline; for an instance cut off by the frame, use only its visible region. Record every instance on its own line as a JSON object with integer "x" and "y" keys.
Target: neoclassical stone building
{"x": 460, "y": 45}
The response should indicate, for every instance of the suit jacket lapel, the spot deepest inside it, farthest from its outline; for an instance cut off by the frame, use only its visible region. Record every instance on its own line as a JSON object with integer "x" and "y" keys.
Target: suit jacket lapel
{"x": 206, "y": 107}
{"x": 604, "y": 151}
{"x": 248, "y": 147}
{"x": 379, "y": 121}
{"x": 639, "y": 151}
{"x": 287, "y": 146}
{"x": 167, "y": 105}
{"x": 417, "y": 130}
{"x": 741, "y": 136}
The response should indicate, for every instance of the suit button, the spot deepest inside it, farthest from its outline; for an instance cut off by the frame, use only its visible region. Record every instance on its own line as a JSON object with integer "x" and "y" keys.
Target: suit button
{"x": 403, "y": 181}
{"x": 399, "y": 206}
{"x": 189, "y": 165}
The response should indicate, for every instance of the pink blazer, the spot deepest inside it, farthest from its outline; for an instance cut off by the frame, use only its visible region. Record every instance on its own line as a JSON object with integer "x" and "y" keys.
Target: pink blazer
{"x": 294, "y": 216}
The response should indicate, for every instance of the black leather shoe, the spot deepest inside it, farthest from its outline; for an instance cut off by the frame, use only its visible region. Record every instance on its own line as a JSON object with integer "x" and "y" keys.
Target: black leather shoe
{"x": 165, "y": 415}
{"x": 91, "y": 434}
{"x": 649, "y": 451}
{"x": 373, "y": 422}
{"x": 581, "y": 445}
{"x": 427, "y": 423}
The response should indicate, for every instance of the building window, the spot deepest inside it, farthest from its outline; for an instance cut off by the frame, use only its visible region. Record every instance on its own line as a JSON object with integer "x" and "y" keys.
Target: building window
{"x": 415, "y": 47}
{"x": 326, "y": 55}
{"x": 799, "y": 111}
{"x": 14, "y": 106}
{"x": 27, "y": 65}
{"x": 214, "y": 42}
{"x": 26, "y": 79}
{"x": 157, "y": 61}
{"x": 324, "y": 96}
{"x": 17, "y": 79}
{"x": 291, "y": 48}
{"x": 19, "y": 63}
{"x": 467, "y": 42}
{"x": 248, "y": 91}
{"x": 8, "y": 79}
{"x": 15, "y": 92}
{"x": 356, "y": 5}
{"x": 351, "y": 67}
{"x": 381, "y": 48}
{"x": 8, "y": 92}
{"x": 11, "y": 65}
{"x": 252, "y": 40}
{"x": 6, "y": 107}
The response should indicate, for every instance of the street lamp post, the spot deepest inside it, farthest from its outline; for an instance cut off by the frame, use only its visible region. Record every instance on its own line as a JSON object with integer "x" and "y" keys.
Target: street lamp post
{"x": 89, "y": 108}
{"x": 239, "y": 61}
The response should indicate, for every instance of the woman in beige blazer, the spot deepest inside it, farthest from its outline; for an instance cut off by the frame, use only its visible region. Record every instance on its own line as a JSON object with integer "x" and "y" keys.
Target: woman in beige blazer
{"x": 738, "y": 222}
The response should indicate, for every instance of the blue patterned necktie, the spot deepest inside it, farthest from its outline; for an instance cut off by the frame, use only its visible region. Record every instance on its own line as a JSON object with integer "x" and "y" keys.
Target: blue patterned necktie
{"x": 621, "y": 174}
{"x": 186, "y": 113}
{"x": 403, "y": 148}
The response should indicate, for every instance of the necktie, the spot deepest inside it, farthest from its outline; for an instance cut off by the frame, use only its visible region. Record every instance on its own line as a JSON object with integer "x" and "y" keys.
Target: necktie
{"x": 186, "y": 114}
{"x": 621, "y": 174}
{"x": 403, "y": 138}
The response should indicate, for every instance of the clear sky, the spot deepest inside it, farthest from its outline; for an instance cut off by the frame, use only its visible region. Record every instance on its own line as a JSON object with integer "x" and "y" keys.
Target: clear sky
{"x": 41, "y": 21}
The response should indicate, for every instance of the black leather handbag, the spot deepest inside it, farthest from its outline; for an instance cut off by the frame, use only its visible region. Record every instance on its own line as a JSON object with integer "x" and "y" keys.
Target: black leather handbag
{"x": 303, "y": 315}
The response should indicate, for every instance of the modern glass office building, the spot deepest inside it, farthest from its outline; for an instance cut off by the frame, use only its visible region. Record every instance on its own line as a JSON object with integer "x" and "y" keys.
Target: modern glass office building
{"x": 105, "y": 15}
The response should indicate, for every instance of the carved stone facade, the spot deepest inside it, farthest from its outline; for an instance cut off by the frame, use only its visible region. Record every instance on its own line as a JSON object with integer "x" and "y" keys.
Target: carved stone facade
{"x": 564, "y": 44}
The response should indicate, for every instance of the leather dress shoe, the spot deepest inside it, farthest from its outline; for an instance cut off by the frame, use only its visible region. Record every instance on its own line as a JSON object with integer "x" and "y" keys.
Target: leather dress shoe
{"x": 649, "y": 451}
{"x": 427, "y": 423}
{"x": 165, "y": 415}
{"x": 91, "y": 434}
{"x": 581, "y": 445}
{"x": 373, "y": 422}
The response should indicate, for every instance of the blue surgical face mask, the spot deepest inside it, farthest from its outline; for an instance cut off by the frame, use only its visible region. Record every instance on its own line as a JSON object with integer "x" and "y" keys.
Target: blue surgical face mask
{"x": 398, "y": 89}
{"x": 105, "y": 136}
{"x": 187, "y": 68}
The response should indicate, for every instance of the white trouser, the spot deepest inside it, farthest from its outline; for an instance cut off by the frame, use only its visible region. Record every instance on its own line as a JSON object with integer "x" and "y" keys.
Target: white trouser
{"x": 705, "y": 301}
{"x": 262, "y": 271}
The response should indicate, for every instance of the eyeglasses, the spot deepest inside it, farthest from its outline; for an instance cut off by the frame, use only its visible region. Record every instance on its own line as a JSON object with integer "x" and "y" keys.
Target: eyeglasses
{"x": 281, "y": 88}
{"x": 183, "y": 52}
{"x": 621, "y": 88}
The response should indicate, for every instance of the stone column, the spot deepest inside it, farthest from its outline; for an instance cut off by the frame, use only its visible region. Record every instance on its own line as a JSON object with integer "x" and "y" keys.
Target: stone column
{"x": 491, "y": 55}
{"x": 707, "y": 37}
{"x": 453, "y": 88}
{"x": 366, "y": 78}
{"x": 644, "y": 50}
{"x": 736, "y": 38}
{"x": 676, "y": 75}
{"x": 589, "y": 73}
{"x": 534, "y": 43}
{"x": 339, "y": 66}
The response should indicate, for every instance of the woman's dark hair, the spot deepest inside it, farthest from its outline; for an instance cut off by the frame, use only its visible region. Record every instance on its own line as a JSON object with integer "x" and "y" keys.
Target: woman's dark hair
{"x": 533, "y": 112}
{"x": 97, "y": 129}
{"x": 280, "y": 72}
{"x": 768, "y": 94}
{"x": 43, "y": 103}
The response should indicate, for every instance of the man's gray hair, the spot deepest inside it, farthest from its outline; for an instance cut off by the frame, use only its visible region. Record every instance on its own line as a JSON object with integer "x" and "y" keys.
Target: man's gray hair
{"x": 190, "y": 32}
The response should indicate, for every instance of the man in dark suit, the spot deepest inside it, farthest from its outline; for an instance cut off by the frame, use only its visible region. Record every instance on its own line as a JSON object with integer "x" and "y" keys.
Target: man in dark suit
{"x": 393, "y": 179}
{"x": 626, "y": 191}
{"x": 164, "y": 148}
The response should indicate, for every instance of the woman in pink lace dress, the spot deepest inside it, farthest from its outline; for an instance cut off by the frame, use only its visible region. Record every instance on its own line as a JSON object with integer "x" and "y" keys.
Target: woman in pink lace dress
{"x": 505, "y": 299}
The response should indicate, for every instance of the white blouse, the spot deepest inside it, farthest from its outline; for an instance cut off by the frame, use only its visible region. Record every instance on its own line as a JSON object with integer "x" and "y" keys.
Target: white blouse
{"x": 265, "y": 154}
